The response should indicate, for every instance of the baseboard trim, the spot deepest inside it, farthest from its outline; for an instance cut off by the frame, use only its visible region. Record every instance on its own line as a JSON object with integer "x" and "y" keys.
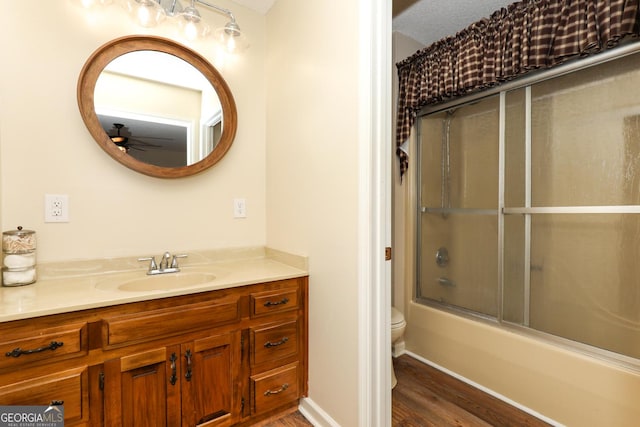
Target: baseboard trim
{"x": 315, "y": 414}
{"x": 484, "y": 389}
{"x": 398, "y": 348}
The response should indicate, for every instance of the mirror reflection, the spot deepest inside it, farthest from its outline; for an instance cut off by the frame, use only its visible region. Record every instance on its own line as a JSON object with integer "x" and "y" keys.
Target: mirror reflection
{"x": 158, "y": 108}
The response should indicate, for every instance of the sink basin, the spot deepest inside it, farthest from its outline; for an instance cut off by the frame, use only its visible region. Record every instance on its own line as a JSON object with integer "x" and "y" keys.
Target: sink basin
{"x": 160, "y": 282}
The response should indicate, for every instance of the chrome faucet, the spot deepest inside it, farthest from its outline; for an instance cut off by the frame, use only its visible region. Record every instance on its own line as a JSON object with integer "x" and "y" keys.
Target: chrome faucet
{"x": 165, "y": 266}
{"x": 164, "y": 261}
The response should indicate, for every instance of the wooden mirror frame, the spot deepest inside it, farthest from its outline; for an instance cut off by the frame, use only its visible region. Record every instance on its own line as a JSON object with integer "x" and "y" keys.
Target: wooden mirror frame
{"x": 115, "y": 48}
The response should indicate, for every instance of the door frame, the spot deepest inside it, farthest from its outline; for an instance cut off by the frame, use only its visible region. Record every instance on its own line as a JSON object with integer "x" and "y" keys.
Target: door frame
{"x": 375, "y": 213}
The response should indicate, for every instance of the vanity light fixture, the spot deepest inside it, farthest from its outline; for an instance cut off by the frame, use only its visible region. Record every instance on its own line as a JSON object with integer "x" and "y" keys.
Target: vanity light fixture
{"x": 149, "y": 13}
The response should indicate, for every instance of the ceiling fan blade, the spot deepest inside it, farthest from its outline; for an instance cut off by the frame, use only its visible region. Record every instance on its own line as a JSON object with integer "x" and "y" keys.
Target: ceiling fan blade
{"x": 131, "y": 147}
{"x": 156, "y": 137}
{"x": 136, "y": 141}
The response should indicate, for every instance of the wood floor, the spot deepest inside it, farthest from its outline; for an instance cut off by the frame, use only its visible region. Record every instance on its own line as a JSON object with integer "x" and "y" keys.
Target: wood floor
{"x": 426, "y": 397}
{"x": 292, "y": 419}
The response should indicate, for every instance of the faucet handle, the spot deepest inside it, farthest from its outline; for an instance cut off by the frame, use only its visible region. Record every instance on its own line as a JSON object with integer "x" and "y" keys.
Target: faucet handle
{"x": 152, "y": 263}
{"x": 174, "y": 260}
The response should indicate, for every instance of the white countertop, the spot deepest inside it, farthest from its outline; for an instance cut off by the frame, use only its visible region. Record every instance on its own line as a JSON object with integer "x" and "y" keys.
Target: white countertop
{"x": 73, "y": 286}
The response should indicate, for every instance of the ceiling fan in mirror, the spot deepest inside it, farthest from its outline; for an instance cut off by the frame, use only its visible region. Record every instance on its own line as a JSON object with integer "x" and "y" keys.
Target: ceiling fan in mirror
{"x": 128, "y": 142}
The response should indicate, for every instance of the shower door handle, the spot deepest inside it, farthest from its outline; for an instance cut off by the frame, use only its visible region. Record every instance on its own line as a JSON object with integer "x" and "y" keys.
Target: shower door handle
{"x": 445, "y": 282}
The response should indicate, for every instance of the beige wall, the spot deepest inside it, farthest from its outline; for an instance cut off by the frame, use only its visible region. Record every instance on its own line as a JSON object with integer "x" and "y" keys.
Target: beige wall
{"x": 294, "y": 159}
{"x": 45, "y": 147}
{"x": 312, "y": 180}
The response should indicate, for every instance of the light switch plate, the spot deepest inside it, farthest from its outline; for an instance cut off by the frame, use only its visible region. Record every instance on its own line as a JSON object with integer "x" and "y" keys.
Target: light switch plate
{"x": 239, "y": 208}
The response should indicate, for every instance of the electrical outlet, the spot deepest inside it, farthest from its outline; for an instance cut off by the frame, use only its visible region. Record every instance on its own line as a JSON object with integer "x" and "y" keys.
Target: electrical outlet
{"x": 56, "y": 208}
{"x": 239, "y": 208}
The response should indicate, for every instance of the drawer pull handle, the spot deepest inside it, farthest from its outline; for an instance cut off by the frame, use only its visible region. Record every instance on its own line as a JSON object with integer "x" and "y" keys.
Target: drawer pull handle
{"x": 274, "y": 303}
{"x": 56, "y": 403}
{"x": 17, "y": 352}
{"x": 280, "y": 390}
{"x": 188, "y": 355}
{"x": 270, "y": 344}
{"x": 174, "y": 374}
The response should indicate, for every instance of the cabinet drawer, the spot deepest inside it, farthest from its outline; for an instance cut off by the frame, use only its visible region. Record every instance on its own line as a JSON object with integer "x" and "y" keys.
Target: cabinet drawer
{"x": 274, "y": 342}
{"x": 50, "y": 345}
{"x": 264, "y": 303}
{"x": 274, "y": 388}
{"x": 69, "y": 388}
{"x": 164, "y": 322}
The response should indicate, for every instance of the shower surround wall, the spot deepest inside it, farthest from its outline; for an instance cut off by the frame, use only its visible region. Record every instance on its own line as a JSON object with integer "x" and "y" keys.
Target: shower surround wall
{"x": 579, "y": 279}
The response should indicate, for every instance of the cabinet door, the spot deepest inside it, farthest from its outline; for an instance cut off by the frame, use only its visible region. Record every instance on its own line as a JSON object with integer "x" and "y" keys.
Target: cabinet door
{"x": 210, "y": 389}
{"x": 66, "y": 387}
{"x": 141, "y": 389}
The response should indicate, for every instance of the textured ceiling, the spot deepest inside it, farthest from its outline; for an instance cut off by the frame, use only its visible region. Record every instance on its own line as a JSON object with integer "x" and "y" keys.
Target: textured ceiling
{"x": 428, "y": 21}
{"x": 425, "y": 21}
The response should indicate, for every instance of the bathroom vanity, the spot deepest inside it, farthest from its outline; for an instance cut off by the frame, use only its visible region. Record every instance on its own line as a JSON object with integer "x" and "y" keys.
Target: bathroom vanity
{"x": 226, "y": 352}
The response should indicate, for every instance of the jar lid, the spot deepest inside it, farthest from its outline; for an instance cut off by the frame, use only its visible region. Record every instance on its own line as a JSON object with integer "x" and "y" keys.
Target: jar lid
{"x": 18, "y": 232}
{"x": 17, "y": 241}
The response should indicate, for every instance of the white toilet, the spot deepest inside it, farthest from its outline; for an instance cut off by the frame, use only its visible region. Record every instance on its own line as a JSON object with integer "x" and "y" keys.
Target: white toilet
{"x": 398, "y": 325}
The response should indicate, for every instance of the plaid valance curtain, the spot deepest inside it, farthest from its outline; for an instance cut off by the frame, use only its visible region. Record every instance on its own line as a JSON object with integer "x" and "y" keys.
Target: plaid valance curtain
{"x": 526, "y": 36}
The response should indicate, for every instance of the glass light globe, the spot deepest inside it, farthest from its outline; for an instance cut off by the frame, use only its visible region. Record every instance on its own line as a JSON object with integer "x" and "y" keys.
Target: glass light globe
{"x": 146, "y": 13}
{"x": 191, "y": 24}
{"x": 231, "y": 38}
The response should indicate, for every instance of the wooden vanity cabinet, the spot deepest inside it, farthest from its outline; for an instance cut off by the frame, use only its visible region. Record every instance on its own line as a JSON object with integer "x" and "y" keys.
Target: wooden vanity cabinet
{"x": 45, "y": 362}
{"x": 190, "y": 384}
{"x": 278, "y": 354}
{"x": 218, "y": 358}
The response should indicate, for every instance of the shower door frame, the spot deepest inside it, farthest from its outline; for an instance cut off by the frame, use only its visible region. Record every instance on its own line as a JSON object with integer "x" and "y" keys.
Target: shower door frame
{"x": 527, "y": 210}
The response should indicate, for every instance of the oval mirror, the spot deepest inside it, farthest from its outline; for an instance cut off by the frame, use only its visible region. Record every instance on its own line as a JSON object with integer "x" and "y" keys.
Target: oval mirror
{"x": 156, "y": 106}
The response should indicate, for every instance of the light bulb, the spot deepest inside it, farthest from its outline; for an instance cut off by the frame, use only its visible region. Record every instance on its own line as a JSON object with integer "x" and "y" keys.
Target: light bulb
{"x": 143, "y": 16}
{"x": 190, "y": 31}
{"x": 146, "y": 13}
{"x": 231, "y": 45}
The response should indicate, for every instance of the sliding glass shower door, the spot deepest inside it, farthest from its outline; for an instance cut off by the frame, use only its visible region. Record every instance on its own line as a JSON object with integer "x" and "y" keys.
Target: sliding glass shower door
{"x": 530, "y": 207}
{"x": 459, "y": 207}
